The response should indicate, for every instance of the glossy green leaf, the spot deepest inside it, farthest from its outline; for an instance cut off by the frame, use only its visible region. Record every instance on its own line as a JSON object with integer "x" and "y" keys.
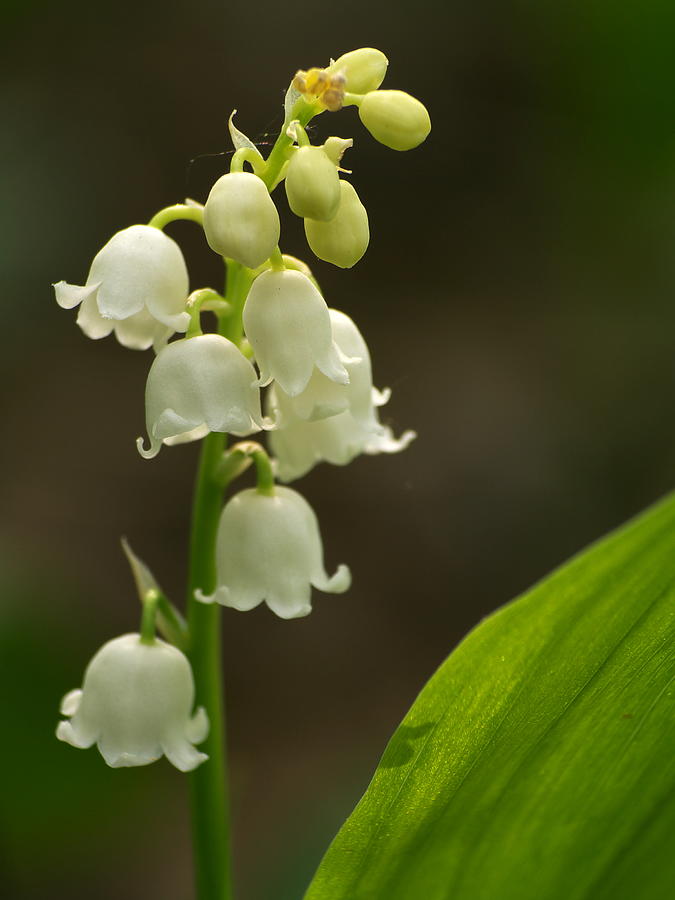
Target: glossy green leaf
{"x": 539, "y": 761}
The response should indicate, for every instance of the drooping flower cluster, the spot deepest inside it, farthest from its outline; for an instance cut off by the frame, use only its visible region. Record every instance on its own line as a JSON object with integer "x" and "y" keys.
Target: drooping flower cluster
{"x": 275, "y": 332}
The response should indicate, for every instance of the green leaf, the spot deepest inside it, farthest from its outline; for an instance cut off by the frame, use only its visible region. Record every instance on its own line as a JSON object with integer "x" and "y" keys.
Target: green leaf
{"x": 539, "y": 761}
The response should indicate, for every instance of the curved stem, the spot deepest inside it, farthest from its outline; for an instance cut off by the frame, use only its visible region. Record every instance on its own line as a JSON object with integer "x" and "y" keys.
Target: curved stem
{"x": 247, "y": 155}
{"x": 178, "y": 211}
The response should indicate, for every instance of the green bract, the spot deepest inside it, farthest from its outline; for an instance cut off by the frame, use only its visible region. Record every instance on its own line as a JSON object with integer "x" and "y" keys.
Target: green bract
{"x": 344, "y": 239}
{"x": 395, "y": 119}
{"x": 313, "y": 184}
{"x": 537, "y": 764}
{"x": 363, "y": 69}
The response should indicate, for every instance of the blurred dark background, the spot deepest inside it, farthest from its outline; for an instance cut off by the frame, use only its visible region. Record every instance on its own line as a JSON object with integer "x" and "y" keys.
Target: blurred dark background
{"x": 517, "y": 296}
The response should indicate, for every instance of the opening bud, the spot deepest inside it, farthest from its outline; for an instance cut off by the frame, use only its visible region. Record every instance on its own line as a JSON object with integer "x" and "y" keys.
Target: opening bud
{"x": 240, "y": 219}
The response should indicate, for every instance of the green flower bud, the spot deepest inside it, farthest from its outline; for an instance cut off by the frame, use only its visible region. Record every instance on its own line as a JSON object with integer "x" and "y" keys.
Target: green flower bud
{"x": 241, "y": 220}
{"x": 364, "y": 69}
{"x": 313, "y": 184}
{"x": 395, "y": 119}
{"x": 344, "y": 239}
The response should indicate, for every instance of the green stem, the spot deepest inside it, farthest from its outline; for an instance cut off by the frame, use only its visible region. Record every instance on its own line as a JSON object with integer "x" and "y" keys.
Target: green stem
{"x": 148, "y": 625}
{"x": 264, "y": 473}
{"x": 303, "y": 112}
{"x": 178, "y": 211}
{"x": 277, "y": 260}
{"x": 247, "y": 155}
{"x": 208, "y": 782}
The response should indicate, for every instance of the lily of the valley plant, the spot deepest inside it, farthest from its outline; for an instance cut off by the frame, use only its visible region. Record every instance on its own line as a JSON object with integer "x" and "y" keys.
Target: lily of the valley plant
{"x": 283, "y": 361}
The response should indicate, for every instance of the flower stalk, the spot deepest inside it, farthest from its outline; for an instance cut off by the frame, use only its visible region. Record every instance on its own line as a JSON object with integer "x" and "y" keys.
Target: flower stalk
{"x": 209, "y": 784}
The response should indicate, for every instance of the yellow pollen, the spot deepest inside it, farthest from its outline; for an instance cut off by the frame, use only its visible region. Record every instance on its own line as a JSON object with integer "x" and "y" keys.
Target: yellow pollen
{"x": 317, "y": 84}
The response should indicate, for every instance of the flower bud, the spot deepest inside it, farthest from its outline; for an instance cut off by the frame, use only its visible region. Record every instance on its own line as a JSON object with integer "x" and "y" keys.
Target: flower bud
{"x": 313, "y": 184}
{"x": 137, "y": 285}
{"x": 364, "y": 69}
{"x": 198, "y": 385}
{"x": 136, "y": 704}
{"x": 240, "y": 219}
{"x": 395, "y": 119}
{"x": 269, "y": 549}
{"x": 344, "y": 239}
{"x": 287, "y": 322}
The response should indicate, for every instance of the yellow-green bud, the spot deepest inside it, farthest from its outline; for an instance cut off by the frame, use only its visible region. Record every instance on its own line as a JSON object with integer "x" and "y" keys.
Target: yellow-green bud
{"x": 241, "y": 220}
{"x": 364, "y": 69}
{"x": 313, "y": 184}
{"x": 395, "y": 119}
{"x": 344, "y": 239}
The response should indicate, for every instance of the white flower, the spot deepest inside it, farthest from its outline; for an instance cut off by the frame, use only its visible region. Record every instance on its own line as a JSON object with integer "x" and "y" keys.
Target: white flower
{"x": 136, "y": 704}
{"x": 322, "y": 397}
{"x": 197, "y": 385}
{"x": 137, "y": 285}
{"x": 287, "y": 323}
{"x": 269, "y": 548}
{"x": 333, "y": 422}
{"x": 241, "y": 220}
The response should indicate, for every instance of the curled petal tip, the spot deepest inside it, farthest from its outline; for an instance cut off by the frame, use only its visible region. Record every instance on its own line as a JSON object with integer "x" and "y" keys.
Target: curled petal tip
{"x": 337, "y": 584}
{"x": 263, "y": 381}
{"x": 71, "y": 702}
{"x": 341, "y": 580}
{"x": 204, "y": 598}
{"x": 380, "y": 398}
{"x": 198, "y": 726}
{"x": 71, "y": 295}
{"x": 147, "y": 454}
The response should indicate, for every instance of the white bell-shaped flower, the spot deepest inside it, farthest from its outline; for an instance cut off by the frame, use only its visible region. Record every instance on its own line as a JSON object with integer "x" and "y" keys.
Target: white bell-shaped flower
{"x": 136, "y": 705}
{"x": 322, "y": 397}
{"x": 287, "y": 323}
{"x": 198, "y": 385}
{"x": 269, "y": 548}
{"x": 299, "y": 445}
{"x": 137, "y": 286}
{"x": 330, "y": 422}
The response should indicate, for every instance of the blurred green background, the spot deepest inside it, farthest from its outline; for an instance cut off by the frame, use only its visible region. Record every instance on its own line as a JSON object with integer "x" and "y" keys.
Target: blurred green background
{"x": 517, "y": 296}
